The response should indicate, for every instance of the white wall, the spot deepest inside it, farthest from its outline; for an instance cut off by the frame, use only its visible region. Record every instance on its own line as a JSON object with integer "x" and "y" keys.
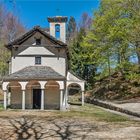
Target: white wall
{"x": 36, "y": 51}
{"x": 20, "y": 62}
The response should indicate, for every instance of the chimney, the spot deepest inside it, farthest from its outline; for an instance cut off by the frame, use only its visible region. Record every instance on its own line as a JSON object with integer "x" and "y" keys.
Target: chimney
{"x": 58, "y": 27}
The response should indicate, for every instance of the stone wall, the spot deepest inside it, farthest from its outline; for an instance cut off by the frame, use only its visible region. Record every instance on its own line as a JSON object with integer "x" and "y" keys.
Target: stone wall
{"x": 111, "y": 107}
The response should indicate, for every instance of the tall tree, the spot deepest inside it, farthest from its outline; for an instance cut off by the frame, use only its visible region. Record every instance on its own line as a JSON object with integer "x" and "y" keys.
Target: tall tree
{"x": 109, "y": 39}
{"x": 10, "y": 28}
{"x": 80, "y": 63}
{"x": 133, "y": 6}
{"x": 71, "y": 29}
{"x": 85, "y": 21}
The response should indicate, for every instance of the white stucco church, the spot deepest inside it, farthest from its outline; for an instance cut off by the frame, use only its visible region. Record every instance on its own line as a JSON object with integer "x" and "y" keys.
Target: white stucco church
{"x": 39, "y": 75}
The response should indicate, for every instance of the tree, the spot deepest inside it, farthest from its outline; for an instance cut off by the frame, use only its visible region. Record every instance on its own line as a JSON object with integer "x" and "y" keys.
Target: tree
{"x": 108, "y": 41}
{"x": 81, "y": 64}
{"x": 71, "y": 29}
{"x": 10, "y": 28}
{"x": 85, "y": 21}
{"x": 133, "y": 6}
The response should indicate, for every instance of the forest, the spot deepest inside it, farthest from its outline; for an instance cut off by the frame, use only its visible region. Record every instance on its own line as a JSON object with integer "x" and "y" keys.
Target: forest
{"x": 104, "y": 48}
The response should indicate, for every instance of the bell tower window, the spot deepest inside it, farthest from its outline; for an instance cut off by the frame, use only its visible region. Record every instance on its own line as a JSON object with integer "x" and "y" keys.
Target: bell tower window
{"x": 57, "y": 31}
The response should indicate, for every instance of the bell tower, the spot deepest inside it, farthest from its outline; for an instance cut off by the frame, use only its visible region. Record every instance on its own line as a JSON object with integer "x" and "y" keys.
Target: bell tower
{"x": 58, "y": 27}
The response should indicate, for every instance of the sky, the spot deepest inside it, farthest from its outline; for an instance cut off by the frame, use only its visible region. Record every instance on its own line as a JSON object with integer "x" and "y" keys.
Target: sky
{"x": 35, "y": 12}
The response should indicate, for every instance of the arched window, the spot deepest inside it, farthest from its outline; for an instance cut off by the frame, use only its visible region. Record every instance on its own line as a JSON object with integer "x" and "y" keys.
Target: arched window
{"x": 57, "y": 31}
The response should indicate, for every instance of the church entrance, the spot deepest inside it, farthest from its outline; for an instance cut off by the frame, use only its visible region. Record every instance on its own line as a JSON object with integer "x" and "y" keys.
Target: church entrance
{"x": 36, "y": 98}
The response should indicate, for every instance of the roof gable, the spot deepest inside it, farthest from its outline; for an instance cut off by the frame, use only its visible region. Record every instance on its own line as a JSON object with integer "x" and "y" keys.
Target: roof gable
{"x": 30, "y": 33}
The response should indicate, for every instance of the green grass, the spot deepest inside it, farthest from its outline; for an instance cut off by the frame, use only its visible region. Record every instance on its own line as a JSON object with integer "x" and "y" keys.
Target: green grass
{"x": 1, "y": 107}
{"x": 95, "y": 113}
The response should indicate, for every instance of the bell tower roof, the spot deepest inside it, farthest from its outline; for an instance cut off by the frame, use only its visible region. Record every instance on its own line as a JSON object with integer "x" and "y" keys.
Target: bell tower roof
{"x": 58, "y": 19}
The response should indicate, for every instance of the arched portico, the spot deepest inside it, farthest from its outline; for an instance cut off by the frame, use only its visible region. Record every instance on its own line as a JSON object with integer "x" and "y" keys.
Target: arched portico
{"x": 34, "y": 94}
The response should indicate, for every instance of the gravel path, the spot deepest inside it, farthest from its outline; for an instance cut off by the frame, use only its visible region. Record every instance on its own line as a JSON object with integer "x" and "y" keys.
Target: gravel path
{"x": 46, "y": 126}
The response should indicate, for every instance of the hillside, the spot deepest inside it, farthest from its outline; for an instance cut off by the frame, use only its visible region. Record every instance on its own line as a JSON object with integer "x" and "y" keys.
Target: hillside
{"x": 116, "y": 87}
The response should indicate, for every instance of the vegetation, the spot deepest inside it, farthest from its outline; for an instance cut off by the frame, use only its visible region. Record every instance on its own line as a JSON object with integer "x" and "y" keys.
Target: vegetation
{"x": 10, "y": 28}
{"x": 79, "y": 63}
{"x": 110, "y": 45}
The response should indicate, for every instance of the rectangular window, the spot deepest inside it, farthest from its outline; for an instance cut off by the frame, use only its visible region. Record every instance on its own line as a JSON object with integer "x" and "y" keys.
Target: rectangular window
{"x": 38, "y": 60}
{"x": 38, "y": 41}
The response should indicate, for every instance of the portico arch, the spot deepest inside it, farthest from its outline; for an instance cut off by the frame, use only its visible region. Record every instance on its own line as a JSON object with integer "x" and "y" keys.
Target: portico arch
{"x": 52, "y": 95}
{"x": 74, "y": 93}
{"x": 14, "y": 95}
{"x": 74, "y": 88}
{"x": 33, "y": 95}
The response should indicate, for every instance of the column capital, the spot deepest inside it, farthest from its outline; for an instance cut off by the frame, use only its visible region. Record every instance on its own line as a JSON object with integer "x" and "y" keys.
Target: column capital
{"x": 42, "y": 83}
{"x": 23, "y": 85}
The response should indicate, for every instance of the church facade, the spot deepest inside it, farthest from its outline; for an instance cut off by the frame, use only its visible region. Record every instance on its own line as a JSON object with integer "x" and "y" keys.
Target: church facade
{"x": 39, "y": 76}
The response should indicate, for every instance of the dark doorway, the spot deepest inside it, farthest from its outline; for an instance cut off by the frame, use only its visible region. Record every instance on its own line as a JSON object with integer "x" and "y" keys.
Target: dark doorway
{"x": 36, "y": 98}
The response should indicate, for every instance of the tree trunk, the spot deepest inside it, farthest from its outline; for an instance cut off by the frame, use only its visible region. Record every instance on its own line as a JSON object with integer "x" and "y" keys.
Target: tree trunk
{"x": 138, "y": 52}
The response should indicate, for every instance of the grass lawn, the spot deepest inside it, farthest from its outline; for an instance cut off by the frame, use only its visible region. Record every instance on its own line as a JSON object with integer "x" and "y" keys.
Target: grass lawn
{"x": 87, "y": 111}
{"x": 93, "y": 113}
{"x": 1, "y": 107}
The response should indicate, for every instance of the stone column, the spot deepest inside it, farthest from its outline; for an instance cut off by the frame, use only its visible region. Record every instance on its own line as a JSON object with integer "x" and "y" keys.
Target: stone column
{"x": 42, "y": 99}
{"x": 5, "y": 100}
{"x": 23, "y": 87}
{"x": 61, "y": 99}
{"x": 9, "y": 98}
{"x": 82, "y": 98}
{"x": 23, "y": 99}
{"x": 66, "y": 98}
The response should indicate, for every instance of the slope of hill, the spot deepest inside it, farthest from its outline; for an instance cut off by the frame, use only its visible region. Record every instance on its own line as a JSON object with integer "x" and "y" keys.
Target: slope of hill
{"x": 116, "y": 87}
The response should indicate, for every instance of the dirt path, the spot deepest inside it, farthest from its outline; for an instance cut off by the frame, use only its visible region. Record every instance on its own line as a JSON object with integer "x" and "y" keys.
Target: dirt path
{"x": 36, "y": 125}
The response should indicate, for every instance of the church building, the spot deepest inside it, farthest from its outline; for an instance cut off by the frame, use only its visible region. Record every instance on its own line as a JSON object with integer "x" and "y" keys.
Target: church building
{"x": 39, "y": 76}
